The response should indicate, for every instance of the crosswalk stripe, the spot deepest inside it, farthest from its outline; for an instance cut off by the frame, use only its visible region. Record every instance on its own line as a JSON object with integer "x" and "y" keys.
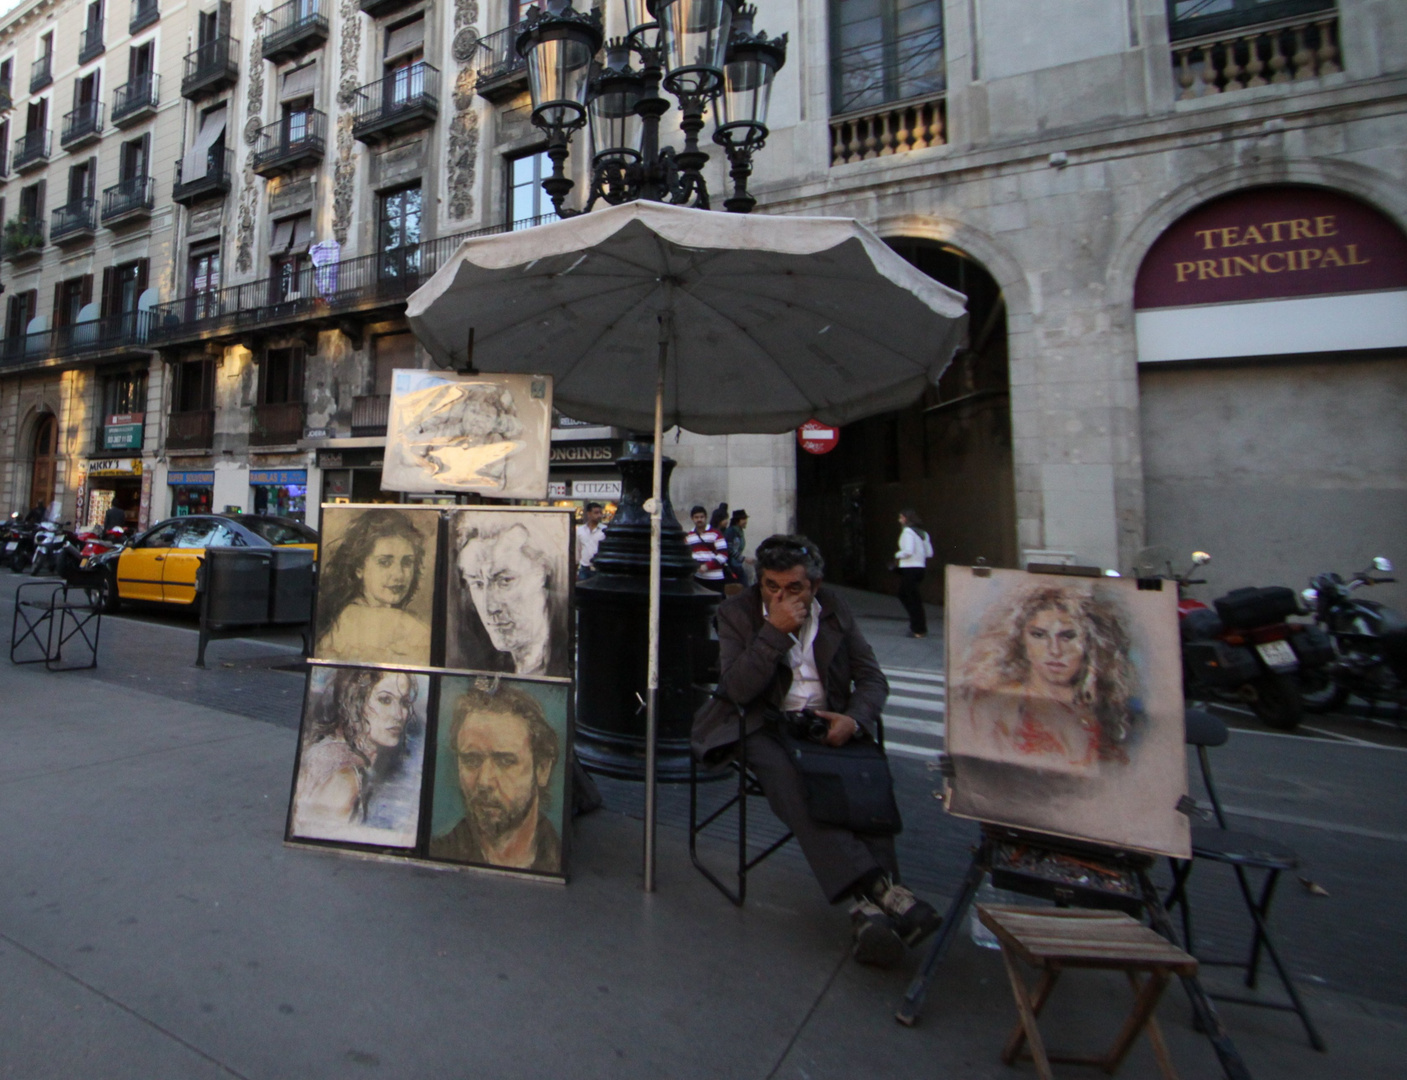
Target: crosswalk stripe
{"x": 922, "y": 704}
{"x": 909, "y": 750}
{"x": 936, "y": 728}
{"x": 921, "y": 688}
{"x": 927, "y": 675}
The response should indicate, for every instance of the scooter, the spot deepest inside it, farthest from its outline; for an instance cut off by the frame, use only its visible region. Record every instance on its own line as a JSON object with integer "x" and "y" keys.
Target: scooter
{"x": 1370, "y": 643}
{"x": 1243, "y": 649}
{"x": 97, "y": 542}
{"x": 49, "y": 540}
{"x": 19, "y": 547}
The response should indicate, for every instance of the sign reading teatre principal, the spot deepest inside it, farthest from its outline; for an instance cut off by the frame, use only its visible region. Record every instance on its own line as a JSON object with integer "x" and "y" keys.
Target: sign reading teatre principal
{"x": 1272, "y": 243}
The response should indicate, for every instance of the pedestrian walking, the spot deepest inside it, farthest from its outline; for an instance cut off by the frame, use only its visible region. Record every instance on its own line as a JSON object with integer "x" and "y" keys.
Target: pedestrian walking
{"x": 709, "y": 549}
{"x": 915, "y": 549}
{"x": 735, "y": 536}
{"x": 589, "y": 535}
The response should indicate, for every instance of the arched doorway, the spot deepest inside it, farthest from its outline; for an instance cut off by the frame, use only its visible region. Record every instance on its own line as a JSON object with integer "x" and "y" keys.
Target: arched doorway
{"x": 947, "y": 456}
{"x": 46, "y": 461}
{"x": 1272, "y": 371}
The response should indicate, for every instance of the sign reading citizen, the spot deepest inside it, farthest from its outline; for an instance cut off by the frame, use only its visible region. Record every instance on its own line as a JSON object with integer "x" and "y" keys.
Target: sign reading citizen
{"x": 1272, "y": 243}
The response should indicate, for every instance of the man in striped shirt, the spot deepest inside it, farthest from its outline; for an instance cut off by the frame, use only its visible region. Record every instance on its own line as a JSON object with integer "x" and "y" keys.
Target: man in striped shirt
{"x": 709, "y": 549}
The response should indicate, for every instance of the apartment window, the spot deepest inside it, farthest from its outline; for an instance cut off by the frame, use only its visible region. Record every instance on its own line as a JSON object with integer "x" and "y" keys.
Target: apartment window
{"x": 32, "y": 202}
{"x": 7, "y": 72}
{"x": 405, "y": 71}
{"x": 80, "y": 180}
{"x": 141, "y": 63}
{"x": 208, "y": 25}
{"x": 206, "y": 155}
{"x": 85, "y": 92}
{"x": 125, "y": 393}
{"x": 526, "y": 199}
{"x": 883, "y": 51}
{"x": 70, "y": 298}
{"x": 194, "y": 387}
{"x": 37, "y": 116}
{"x": 399, "y": 231}
{"x": 289, "y": 264}
{"x": 281, "y": 376}
{"x": 297, "y": 119}
{"x": 203, "y": 278}
{"x": 20, "y": 308}
{"x": 123, "y": 286}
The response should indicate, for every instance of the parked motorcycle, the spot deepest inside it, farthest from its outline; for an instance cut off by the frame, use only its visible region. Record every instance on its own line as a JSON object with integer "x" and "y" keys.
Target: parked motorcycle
{"x": 98, "y": 541}
{"x": 49, "y": 539}
{"x": 1370, "y": 642}
{"x": 19, "y": 543}
{"x": 1243, "y": 649}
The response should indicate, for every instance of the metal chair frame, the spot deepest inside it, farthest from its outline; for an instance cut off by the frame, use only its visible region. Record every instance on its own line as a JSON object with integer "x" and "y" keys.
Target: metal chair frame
{"x": 56, "y": 632}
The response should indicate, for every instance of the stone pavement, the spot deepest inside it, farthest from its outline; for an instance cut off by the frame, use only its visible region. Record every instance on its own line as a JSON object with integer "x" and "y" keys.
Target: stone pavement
{"x": 153, "y": 924}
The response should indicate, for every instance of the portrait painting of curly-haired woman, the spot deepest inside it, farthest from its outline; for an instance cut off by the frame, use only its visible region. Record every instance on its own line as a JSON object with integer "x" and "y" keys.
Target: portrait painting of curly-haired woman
{"x": 1064, "y": 711}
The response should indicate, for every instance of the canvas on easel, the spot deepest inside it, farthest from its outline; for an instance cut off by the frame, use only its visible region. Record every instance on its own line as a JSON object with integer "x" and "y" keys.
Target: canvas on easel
{"x": 1065, "y": 710}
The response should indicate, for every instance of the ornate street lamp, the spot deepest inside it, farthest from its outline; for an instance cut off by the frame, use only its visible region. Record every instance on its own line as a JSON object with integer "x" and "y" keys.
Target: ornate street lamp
{"x": 704, "y": 53}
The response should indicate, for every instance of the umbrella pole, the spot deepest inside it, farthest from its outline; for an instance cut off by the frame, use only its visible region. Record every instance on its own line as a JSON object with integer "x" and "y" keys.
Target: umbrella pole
{"x": 652, "y": 682}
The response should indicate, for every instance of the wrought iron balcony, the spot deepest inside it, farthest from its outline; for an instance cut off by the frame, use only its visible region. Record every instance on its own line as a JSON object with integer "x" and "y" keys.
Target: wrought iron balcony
{"x": 144, "y": 13}
{"x": 403, "y": 100}
{"x": 118, "y": 335}
{"x": 298, "y": 139}
{"x": 24, "y": 237}
{"x": 219, "y": 168}
{"x": 129, "y": 199}
{"x": 211, "y": 67}
{"x": 279, "y": 424}
{"x": 501, "y": 72}
{"x": 76, "y": 221}
{"x": 90, "y": 42}
{"x": 370, "y": 415}
{"x": 136, "y": 100}
{"x": 42, "y": 73}
{"x": 31, "y": 150}
{"x": 377, "y": 8}
{"x": 82, "y": 125}
{"x": 294, "y": 28}
{"x": 193, "y": 430}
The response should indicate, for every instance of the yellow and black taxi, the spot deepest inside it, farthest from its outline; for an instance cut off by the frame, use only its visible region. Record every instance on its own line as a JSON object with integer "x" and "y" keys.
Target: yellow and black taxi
{"x": 160, "y": 565}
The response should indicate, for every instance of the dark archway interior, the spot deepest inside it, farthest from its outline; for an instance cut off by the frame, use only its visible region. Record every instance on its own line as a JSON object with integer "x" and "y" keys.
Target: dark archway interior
{"x": 948, "y": 455}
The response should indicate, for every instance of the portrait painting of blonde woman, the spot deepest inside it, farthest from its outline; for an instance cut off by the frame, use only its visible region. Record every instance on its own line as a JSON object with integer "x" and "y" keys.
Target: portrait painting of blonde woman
{"x": 1064, "y": 707}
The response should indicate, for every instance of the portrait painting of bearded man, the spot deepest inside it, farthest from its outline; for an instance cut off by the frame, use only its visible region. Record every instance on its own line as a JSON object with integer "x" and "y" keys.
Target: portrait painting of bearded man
{"x": 1064, "y": 707}
{"x": 509, "y": 592}
{"x": 499, "y": 776}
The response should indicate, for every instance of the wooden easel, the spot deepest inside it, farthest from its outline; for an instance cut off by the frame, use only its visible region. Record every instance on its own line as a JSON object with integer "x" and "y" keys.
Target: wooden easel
{"x": 1102, "y": 877}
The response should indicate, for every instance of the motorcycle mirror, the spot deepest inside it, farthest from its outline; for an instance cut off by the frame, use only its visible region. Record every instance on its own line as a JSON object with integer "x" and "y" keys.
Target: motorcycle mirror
{"x": 1112, "y": 573}
{"x": 1310, "y": 596}
{"x": 1200, "y": 558}
{"x": 1382, "y": 565}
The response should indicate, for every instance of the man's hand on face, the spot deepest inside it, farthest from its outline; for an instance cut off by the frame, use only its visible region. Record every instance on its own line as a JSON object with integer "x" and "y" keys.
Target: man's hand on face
{"x": 787, "y": 613}
{"x": 843, "y": 728}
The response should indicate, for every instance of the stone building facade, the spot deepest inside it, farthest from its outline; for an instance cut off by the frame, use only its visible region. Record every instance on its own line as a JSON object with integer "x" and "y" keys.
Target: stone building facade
{"x": 333, "y": 153}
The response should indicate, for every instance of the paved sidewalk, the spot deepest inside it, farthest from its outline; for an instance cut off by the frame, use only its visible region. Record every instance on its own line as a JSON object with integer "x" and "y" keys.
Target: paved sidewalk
{"x": 154, "y": 925}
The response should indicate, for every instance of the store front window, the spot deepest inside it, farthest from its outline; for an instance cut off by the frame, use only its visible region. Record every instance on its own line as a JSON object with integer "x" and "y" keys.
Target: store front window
{"x": 191, "y": 492}
{"x": 282, "y": 492}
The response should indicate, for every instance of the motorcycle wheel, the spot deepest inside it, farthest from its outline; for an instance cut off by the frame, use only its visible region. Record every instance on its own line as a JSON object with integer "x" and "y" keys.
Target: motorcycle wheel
{"x": 18, "y": 561}
{"x": 1319, "y": 693}
{"x": 1277, "y": 701}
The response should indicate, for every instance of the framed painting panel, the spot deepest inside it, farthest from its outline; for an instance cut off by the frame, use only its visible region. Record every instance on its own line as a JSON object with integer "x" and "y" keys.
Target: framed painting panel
{"x": 376, "y": 585}
{"x": 1064, "y": 707}
{"x": 474, "y": 433}
{"x": 500, "y": 776}
{"x": 508, "y": 592}
{"x": 361, "y": 757}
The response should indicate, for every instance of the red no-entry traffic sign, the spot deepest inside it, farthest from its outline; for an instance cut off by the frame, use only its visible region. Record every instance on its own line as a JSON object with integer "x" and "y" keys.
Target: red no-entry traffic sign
{"x": 817, "y": 438}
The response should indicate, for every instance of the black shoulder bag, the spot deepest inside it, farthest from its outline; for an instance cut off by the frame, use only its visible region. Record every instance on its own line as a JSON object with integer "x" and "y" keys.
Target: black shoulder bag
{"x": 848, "y": 786}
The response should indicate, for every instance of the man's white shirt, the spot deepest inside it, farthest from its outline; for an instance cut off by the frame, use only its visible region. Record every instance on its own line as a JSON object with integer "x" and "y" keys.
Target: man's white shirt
{"x": 587, "y": 541}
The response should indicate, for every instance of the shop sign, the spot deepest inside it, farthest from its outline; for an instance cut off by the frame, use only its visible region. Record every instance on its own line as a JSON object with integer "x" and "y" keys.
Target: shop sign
{"x": 115, "y": 467}
{"x": 277, "y": 477}
{"x": 199, "y": 478}
{"x": 596, "y": 489}
{"x": 123, "y": 431}
{"x": 818, "y": 438}
{"x": 586, "y": 452}
{"x": 319, "y": 433}
{"x": 558, "y": 489}
{"x": 1271, "y": 243}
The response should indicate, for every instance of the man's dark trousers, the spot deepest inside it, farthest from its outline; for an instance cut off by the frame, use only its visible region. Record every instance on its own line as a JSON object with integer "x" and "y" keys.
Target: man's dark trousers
{"x": 838, "y": 857}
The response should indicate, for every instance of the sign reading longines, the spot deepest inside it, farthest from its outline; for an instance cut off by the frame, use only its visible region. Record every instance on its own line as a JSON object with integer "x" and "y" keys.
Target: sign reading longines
{"x": 1272, "y": 243}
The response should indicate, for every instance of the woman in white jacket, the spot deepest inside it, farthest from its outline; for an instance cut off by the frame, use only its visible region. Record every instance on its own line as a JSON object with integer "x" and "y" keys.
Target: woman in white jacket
{"x": 915, "y": 549}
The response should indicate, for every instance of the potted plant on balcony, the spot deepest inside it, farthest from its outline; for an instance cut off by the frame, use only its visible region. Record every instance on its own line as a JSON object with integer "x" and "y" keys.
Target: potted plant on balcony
{"x": 22, "y": 235}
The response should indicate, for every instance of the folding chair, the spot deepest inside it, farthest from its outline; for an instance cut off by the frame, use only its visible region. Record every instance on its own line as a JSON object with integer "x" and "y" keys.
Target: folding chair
{"x": 1243, "y": 852}
{"x": 51, "y": 620}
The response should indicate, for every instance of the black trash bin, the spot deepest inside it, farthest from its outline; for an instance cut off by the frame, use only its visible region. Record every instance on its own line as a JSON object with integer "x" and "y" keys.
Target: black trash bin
{"x": 291, "y": 585}
{"x": 233, "y": 584}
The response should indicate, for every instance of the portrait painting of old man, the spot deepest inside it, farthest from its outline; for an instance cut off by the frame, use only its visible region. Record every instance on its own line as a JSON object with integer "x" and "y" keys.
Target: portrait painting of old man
{"x": 500, "y": 774}
{"x": 1064, "y": 710}
{"x": 509, "y": 592}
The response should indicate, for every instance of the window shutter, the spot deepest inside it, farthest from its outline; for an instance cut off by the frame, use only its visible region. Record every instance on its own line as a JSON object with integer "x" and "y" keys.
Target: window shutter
{"x": 223, "y": 22}
{"x": 85, "y": 296}
{"x": 58, "y": 301}
{"x": 31, "y": 308}
{"x": 405, "y": 39}
{"x": 142, "y": 265}
{"x": 39, "y": 201}
{"x": 196, "y": 160}
{"x": 300, "y": 82}
{"x": 109, "y": 300}
{"x": 283, "y": 236}
{"x": 92, "y": 180}
{"x": 302, "y": 234}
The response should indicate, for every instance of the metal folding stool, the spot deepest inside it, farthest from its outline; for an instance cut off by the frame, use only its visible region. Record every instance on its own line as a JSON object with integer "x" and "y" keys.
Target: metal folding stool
{"x": 55, "y": 621}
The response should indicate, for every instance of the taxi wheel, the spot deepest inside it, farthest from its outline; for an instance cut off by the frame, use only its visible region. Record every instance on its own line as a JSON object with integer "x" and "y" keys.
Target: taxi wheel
{"x": 110, "y": 600}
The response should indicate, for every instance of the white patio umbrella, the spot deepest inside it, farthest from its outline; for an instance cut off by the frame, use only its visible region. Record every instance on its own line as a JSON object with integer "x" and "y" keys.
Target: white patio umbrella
{"x": 648, "y": 314}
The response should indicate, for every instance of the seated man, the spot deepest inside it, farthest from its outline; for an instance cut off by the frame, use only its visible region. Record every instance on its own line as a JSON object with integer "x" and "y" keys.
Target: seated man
{"x": 785, "y": 644}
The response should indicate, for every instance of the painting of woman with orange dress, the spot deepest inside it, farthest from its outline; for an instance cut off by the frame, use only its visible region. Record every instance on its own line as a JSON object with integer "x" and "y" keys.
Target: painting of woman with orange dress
{"x": 1064, "y": 710}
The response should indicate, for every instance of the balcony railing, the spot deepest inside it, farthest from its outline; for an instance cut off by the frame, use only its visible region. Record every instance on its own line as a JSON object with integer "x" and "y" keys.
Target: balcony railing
{"x": 293, "y": 28}
{"x": 1290, "y": 50}
{"x": 82, "y": 125}
{"x": 144, "y": 13}
{"x": 298, "y": 139}
{"x": 90, "y": 42}
{"x": 889, "y": 129}
{"x": 219, "y": 168}
{"x": 31, "y": 148}
{"x": 403, "y": 100}
{"x": 134, "y": 197}
{"x": 193, "y": 430}
{"x": 211, "y": 67}
{"x": 42, "y": 73}
{"x": 370, "y": 414}
{"x": 23, "y": 238}
{"x": 77, "y": 219}
{"x": 367, "y": 281}
{"x": 124, "y": 334}
{"x": 277, "y": 425}
{"x": 501, "y": 72}
{"x": 136, "y": 99}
